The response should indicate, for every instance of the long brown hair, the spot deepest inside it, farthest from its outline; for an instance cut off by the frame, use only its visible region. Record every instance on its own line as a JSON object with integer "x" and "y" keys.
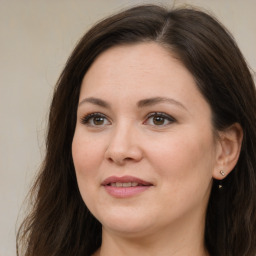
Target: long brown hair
{"x": 60, "y": 223}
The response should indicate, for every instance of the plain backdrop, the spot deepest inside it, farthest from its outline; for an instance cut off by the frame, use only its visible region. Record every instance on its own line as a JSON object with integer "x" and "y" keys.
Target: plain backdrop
{"x": 36, "y": 37}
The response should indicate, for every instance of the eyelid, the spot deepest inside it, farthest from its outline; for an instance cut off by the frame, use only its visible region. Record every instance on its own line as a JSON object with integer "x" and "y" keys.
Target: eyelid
{"x": 86, "y": 118}
{"x": 160, "y": 114}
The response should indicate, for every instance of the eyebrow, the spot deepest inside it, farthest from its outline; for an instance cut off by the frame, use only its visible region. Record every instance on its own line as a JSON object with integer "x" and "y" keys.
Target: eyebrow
{"x": 95, "y": 101}
{"x": 157, "y": 100}
{"x": 142, "y": 103}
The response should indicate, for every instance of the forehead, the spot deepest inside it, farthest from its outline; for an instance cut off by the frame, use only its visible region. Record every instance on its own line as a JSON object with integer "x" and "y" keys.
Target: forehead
{"x": 124, "y": 75}
{"x": 141, "y": 63}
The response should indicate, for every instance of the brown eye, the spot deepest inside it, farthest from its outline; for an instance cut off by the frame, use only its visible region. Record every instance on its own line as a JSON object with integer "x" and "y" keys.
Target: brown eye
{"x": 95, "y": 119}
{"x": 98, "y": 120}
{"x": 158, "y": 120}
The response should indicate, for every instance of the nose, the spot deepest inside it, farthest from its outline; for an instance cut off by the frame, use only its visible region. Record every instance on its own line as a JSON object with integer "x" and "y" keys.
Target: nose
{"x": 124, "y": 146}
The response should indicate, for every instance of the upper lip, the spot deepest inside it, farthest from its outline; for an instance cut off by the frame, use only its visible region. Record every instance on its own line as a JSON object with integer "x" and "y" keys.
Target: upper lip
{"x": 124, "y": 179}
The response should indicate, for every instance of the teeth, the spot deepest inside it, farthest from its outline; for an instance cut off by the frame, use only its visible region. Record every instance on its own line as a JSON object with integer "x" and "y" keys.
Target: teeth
{"x": 127, "y": 184}
{"x": 119, "y": 184}
{"x": 124, "y": 184}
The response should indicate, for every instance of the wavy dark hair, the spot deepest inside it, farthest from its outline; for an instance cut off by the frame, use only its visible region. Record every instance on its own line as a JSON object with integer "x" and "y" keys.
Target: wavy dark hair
{"x": 60, "y": 223}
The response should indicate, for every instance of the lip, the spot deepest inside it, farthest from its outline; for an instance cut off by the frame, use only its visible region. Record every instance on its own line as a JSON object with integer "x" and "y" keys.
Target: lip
{"x": 124, "y": 179}
{"x": 123, "y": 192}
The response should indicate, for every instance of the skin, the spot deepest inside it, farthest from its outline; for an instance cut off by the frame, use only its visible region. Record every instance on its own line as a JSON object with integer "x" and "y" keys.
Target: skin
{"x": 179, "y": 157}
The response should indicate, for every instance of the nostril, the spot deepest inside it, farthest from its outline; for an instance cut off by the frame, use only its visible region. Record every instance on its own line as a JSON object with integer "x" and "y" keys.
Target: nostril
{"x": 120, "y": 160}
{"x": 121, "y": 153}
{"x": 110, "y": 159}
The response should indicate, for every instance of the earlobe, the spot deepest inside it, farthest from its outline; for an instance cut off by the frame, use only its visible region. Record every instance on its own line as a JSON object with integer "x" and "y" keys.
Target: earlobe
{"x": 228, "y": 150}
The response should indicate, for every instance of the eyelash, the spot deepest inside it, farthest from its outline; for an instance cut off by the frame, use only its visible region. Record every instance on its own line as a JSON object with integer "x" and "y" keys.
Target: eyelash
{"x": 90, "y": 117}
{"x": 162, "y": 115}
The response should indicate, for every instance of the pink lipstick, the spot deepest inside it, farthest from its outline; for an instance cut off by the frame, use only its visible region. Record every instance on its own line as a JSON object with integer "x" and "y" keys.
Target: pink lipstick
{"x": 125, "y": 186}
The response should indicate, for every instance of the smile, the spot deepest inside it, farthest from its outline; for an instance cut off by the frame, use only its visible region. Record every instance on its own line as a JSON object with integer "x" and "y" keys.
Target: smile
{"x": 126, "y": 186}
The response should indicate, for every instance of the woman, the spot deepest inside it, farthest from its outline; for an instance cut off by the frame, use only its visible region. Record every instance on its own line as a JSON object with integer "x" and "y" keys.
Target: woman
{"x": 151, "y": 143}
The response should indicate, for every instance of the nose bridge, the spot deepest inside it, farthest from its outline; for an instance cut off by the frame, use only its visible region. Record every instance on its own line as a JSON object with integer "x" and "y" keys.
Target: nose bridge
{"x": 123, "y": 144}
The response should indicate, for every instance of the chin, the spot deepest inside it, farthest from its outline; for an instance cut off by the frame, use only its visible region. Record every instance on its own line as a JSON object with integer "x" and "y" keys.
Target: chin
{"x": 126, "y": 224}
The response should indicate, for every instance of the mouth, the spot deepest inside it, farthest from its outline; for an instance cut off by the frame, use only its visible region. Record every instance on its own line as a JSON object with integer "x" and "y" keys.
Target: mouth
{"x": 125, "y": 186}
{"x": 125, "y": 181}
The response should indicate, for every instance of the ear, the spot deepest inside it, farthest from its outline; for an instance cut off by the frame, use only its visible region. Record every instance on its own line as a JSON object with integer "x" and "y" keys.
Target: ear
{"x": 228, "y": 150}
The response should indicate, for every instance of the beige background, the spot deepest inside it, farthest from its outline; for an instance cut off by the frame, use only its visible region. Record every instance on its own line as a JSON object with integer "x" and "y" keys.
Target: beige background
{"x": 36, "y": 38}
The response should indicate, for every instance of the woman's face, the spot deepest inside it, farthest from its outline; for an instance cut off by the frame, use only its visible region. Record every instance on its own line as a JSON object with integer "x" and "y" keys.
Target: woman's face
{"x": 143, "y": 149}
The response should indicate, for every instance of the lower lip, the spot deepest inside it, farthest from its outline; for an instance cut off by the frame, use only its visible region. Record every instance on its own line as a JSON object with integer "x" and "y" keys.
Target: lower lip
{"x": 123, "y": 192}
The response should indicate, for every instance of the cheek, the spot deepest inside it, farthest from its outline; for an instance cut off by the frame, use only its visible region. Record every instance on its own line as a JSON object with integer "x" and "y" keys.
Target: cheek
{"x": 185, "y": 168}
{"x": 86, "y": 152}
{"x": 185, "y": 160}
{"x": 86, "y": 155}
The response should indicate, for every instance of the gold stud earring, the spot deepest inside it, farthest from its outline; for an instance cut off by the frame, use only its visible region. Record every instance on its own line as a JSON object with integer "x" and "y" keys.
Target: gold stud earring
{"x": 222, "y": 173}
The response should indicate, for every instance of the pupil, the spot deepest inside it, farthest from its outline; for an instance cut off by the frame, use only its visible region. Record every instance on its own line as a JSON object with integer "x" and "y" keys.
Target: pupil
{"x": 98, "y": 120}
{"x": 158, "y": 120}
